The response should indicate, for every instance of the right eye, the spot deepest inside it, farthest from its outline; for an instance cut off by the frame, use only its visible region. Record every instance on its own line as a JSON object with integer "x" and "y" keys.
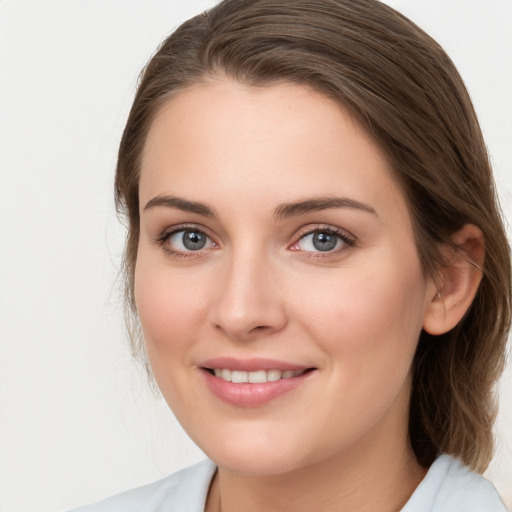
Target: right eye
{"x": 187, "y": 240}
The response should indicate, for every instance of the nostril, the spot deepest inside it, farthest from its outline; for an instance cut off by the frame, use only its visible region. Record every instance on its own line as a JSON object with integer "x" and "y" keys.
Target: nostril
{"x": 259, "y": 330}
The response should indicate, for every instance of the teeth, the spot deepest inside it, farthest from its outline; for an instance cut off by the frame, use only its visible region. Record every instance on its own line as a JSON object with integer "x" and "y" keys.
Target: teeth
{"x": 237, "y": 376}
{"x": 273, "y": 375}
{"x": 256, "y": 377}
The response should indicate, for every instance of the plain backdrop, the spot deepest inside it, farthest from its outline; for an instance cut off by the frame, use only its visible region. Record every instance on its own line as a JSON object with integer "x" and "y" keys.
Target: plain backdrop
{"x": 77, "y": 419}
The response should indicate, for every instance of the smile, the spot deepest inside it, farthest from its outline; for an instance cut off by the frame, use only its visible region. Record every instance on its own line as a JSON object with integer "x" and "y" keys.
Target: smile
{"x": 256, "y": 377}
{"x": 253, "y": 383}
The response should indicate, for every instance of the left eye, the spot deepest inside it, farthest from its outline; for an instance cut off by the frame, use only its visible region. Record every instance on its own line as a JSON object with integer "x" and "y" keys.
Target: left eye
{"x": 187, "y": 240}
{"x": 320, "y": 241}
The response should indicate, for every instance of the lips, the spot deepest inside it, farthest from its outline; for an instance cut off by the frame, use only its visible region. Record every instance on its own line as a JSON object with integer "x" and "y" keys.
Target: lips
{"x": 252, "y": 383}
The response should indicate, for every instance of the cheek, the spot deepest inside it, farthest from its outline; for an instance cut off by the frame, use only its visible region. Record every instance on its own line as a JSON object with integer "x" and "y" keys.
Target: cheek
{"x": 369, "y": 315}
{"x": 367, "y": 326}
{"x": 168, "y": 306}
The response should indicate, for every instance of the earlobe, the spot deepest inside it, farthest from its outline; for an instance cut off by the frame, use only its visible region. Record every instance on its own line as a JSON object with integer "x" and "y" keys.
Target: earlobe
{"x": 458, "y": 282}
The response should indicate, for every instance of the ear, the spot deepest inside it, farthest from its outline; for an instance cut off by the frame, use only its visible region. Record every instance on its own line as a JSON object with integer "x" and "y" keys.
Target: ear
{"x": 458, "y": 281}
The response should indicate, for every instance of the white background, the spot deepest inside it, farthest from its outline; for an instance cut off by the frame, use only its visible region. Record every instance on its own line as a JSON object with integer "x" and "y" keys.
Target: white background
{"x": 77, "y": 419}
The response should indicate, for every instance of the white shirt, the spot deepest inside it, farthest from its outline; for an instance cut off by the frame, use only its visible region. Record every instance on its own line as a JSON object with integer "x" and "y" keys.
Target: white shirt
{"x": 448, "y": 487}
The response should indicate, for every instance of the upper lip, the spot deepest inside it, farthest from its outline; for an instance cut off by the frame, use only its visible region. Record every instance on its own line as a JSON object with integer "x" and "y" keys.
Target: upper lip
{"x": 250, "y": 365}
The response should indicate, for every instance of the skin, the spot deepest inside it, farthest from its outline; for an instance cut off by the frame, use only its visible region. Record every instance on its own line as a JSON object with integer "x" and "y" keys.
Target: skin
{"x": 259, "y": 288}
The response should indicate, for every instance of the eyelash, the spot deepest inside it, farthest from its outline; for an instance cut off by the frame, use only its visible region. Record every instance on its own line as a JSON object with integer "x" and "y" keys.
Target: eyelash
{"x": 347, "y": 239}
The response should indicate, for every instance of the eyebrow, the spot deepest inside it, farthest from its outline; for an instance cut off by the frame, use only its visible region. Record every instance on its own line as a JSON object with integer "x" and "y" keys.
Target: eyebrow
{"x": 319, "y": 203}
{"x": 181, "y": 204}
{"x": 281, "y": 212}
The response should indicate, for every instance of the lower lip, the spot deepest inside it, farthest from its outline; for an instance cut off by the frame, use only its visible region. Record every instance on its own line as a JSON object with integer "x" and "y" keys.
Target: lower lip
{"x": 246, "y": 394}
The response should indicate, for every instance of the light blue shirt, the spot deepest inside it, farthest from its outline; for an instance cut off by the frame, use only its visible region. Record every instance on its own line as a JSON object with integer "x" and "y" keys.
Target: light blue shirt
{"x": 448, "y": 487}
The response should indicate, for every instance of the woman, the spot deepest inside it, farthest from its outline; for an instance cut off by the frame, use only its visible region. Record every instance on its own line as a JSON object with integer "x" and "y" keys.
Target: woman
{"x": 317, "y": 262}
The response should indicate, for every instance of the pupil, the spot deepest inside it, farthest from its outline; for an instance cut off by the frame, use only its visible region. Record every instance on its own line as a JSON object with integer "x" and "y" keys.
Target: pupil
{"x": 324, "y": 241}
{"x": 193, "y": 240}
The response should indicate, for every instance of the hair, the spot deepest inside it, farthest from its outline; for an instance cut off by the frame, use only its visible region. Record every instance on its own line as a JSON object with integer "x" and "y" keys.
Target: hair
{"x": 406, "y": 93}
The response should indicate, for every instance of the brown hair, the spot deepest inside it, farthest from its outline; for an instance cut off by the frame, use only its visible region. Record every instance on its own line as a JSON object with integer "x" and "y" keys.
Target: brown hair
{"x": 406, "y": 92}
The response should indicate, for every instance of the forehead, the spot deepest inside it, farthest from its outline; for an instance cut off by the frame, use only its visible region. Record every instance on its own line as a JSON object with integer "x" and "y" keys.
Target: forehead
{"x": 276, "y": 142}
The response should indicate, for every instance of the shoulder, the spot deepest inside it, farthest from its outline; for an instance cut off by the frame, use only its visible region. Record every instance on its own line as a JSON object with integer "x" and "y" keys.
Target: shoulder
{"x": 184, "y": 491}
{"x": 449, "y": 486}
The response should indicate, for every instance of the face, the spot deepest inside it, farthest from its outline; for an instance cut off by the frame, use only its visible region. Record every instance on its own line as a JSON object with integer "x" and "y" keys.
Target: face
{"x": 277, "y": 279}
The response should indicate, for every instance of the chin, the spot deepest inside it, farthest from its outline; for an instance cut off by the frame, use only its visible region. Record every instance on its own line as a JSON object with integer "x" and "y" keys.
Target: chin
{"x": 254, "y": 464}
{"x": 259, "y": 457}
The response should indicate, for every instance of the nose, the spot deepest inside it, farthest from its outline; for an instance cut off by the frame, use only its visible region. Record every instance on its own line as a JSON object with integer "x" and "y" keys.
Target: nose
{"x": 249, "y": 303}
